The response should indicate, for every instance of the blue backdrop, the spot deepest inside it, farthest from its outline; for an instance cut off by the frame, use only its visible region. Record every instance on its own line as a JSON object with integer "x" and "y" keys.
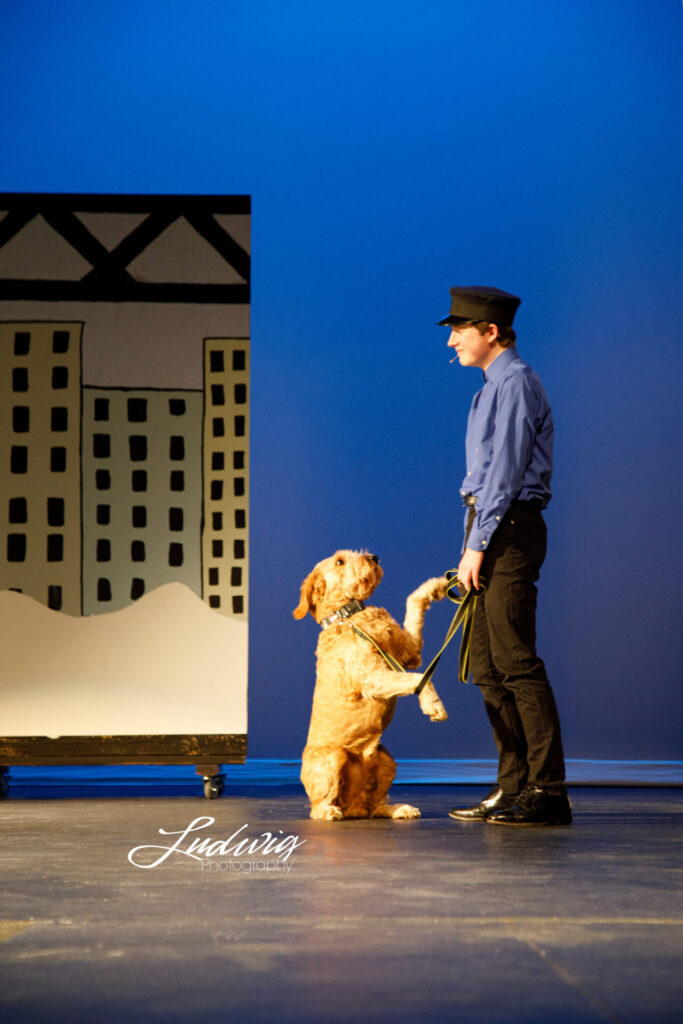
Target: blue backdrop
{"x": 394, "y": 148}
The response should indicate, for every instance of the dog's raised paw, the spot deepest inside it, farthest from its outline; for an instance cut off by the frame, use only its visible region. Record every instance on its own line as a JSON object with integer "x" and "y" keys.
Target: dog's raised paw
{"x": 439, "y": 588}
{"x": 433, "y": 589}
{"x": 437, "y": 713}
{"x": 432, "y": 707}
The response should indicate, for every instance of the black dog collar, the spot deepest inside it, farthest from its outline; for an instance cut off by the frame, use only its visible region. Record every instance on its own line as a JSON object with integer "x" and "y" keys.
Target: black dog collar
{"x": 345, "y": 612}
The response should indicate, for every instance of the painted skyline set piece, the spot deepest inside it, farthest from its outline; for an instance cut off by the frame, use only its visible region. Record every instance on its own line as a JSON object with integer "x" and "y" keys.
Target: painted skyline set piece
{"x": 124, "y": 403}
{"x": 127, "y": 434}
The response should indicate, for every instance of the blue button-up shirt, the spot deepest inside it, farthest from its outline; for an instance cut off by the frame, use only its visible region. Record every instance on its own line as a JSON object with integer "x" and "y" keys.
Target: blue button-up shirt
{"x": 509, "y": 444}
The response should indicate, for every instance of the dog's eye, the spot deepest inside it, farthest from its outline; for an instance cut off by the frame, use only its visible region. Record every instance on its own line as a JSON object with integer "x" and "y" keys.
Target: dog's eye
{"x": 340, "y": 561}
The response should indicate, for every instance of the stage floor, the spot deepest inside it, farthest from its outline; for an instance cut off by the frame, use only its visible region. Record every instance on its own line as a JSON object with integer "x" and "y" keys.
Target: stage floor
{"x": 364, "y": 921}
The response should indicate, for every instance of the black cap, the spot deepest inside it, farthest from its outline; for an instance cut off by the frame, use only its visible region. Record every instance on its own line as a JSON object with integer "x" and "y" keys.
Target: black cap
{"x": 479, "y": 303}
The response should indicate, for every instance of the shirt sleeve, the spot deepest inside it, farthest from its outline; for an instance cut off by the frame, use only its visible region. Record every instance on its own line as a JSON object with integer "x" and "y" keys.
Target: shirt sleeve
{"x": 511, "y": 452}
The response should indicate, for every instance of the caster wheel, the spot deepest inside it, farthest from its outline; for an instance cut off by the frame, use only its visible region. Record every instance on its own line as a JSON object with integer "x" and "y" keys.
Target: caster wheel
{"x": 213, "y": 786}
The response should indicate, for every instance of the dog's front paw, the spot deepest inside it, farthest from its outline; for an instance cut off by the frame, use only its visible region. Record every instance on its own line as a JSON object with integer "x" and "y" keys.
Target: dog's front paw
{"x": 431, "y": 705}
{"x": 439, "y": 587}
{"x": 433, "y": 589}
{"x": 437, "y": 713}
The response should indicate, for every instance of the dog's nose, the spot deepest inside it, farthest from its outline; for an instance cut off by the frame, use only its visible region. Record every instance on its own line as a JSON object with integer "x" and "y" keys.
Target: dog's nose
{"x": 374, "y": 559}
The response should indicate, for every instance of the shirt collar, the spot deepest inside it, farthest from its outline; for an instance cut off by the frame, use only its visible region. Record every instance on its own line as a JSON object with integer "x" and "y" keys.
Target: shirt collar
{"x": 500, "y": 364}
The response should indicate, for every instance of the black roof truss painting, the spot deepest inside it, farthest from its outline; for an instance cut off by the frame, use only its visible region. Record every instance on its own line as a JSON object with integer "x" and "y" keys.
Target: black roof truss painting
{"x": 108, "y": 280}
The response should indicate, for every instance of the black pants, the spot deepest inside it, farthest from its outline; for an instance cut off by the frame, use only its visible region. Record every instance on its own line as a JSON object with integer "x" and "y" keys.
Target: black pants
{"x": 517, "y": 695}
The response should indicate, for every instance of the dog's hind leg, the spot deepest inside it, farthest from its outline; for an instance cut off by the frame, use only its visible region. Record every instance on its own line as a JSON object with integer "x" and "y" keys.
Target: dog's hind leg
{"x": 357, "y": 778}
{"x": 384, "y": 770}
{"x": 322, "y": 775}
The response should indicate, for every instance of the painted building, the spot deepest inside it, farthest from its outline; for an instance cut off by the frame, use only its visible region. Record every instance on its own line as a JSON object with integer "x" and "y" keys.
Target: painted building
{"x": 226, "y": 480}
{"x": 40, "y": 474}
{"x": 142, "y": 493}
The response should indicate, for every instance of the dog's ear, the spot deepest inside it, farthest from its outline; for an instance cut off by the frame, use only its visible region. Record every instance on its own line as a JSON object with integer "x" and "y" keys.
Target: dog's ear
{"x": 312, "y": 589}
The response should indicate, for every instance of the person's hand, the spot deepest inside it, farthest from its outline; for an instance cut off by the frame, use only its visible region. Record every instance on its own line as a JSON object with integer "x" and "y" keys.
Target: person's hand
{"x": 469, "y": 568}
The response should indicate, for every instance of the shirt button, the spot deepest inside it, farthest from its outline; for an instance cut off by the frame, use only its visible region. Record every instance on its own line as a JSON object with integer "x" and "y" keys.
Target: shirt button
{"x": 497, "y": 517}
{"x": 483, "y": 543}
{"x": 469, "y": 474}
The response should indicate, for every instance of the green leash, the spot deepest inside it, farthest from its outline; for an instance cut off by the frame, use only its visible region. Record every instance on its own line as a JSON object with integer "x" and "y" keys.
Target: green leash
{"x": 464, "y": 616}
{"x": 391, "y": 662}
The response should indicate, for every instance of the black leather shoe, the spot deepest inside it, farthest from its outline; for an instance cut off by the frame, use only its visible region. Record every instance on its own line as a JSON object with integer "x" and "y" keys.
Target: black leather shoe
{"x": 536, "y": 806}
{"x": 496, "y": 800}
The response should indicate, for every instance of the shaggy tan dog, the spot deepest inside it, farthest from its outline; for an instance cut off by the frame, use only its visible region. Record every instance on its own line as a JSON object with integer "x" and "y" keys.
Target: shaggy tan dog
{"x": 345, "y": 770}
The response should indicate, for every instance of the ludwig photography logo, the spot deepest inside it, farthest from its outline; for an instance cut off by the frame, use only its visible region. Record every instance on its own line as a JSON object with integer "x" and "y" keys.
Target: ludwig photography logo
{"x": 222, "y": 854}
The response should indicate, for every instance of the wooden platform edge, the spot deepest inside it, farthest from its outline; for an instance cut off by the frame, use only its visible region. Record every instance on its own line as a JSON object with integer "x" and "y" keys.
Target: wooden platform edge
{"x": 157, "y": 749}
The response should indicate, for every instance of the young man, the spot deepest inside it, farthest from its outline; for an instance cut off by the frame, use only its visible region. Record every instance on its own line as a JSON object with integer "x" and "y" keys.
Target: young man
{"x": 509, "y": 447}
